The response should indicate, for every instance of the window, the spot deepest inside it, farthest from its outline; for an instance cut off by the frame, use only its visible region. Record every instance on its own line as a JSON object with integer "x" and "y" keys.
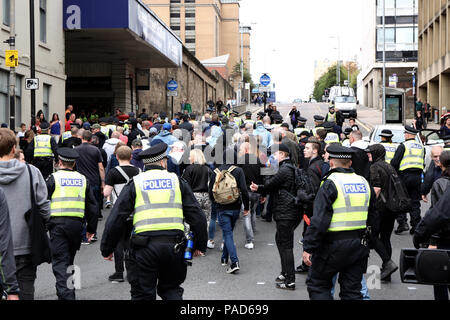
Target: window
{"x": 190, "y": 27}
{"x": 174, "y": 14}
{"x": 4, "y": 99}
{"x": 175, "y": 28}
{"x": 43, "y": 20}
{"x": 405, "y": 3}
{"x": 404, "y": 35}
{"x": 390, "y": 35}
{"x": 190, "y": 15}
{"x": 190, "y": 40}
{"x": 46, "y": 100}
{"x": 6, "y": 13}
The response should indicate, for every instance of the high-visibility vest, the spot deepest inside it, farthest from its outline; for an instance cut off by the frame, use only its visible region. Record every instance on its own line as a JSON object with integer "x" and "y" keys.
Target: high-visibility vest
{"x": 413, "y": 157}
{"x": 331, "y": 117}
{"x": 66, "y": 135}
{"x": 158, "y": 204}
{"x": 238, "y": 121}
{"x": 351, "y": 207}
{"x": 447, "y": 147}
{"x": 111, "y": 127}
{"x": 297, "y": 131}
{"x": 43, "y": 146}
{"x": 104, "y": 130}
{"x": 346, "y": 143}
{"x": 332, "y": 138}
{"x": 68, "y": 199}
{"x": 249, "y": 121}
{"x": 314, "y": 130}
{"x": 390, "y": 150}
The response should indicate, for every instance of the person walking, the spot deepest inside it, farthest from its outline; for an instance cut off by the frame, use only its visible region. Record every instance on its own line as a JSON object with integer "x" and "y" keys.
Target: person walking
{"x": 286, "y": 215}
{"x": 156, "y": 260}
{"x": 228, "y": 213}
{"x": 16, "y": 178}
{"x": 71, "y": 202}
{"x": 334, "y": 242}
{"x": 409, "y": 161}
{"x": 294, "y": 115}
{"x": 110, "y": 144}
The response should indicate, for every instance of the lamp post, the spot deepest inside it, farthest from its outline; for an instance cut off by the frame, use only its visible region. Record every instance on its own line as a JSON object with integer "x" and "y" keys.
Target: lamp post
{"x": 384, "y": 63}
{"x": 338, "y": 63}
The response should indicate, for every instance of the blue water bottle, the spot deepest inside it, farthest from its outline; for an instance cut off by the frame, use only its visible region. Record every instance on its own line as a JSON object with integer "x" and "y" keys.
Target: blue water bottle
{"x": 422, "y": 178}
{"x": 189, "y": 246}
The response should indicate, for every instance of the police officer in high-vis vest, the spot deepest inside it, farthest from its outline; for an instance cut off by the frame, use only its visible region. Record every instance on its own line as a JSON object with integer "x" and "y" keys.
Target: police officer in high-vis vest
{"x": 386, "y": 142}
{"x": 160, "y": 202}
{"x": 346, "y": 142}
{"x": 409, "y": 161}
{"x": 318, "y": 123}
{"x": 331, "y": 115}
{"x": 237, "y": 120}
{"x": 335, "y": 241}
{"x": 331, "y": 137}
{"x": 248, "y": 118}
{"x": 42, "y": 151}
{"x": 71, "y": 202}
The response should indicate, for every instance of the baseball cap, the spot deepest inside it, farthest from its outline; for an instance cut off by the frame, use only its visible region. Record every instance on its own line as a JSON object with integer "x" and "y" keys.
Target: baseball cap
{"x": 167, "y": 126}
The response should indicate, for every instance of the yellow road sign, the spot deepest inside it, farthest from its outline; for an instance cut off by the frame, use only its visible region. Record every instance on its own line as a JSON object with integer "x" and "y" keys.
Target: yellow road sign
{"x": 12, "y": 58}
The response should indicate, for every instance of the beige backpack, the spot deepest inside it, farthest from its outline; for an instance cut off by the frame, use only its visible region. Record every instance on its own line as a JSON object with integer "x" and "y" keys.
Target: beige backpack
{"x": 225, "y": 190}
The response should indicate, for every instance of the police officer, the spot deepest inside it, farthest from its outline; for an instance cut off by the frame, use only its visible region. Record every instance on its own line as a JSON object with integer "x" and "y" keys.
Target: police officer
{"x": 331, "y": 137}
{"x": 409, "y": 161}
{"x": 160, "y": 201}
{"x": 331, "y": 116}
{"x": 248, "y": 118}
{"x": 318, "y": 123}
{"x": 346, "y": 142}
{"x": 42, "y": 151}
{"x": 386, "y": 142}
{"x": 301, "y": 122}
{"x": 335, "y": 241}
{"x": 237, "y": 120}
{"x": 111, "y": 126}
{"x": 71, "y": 201}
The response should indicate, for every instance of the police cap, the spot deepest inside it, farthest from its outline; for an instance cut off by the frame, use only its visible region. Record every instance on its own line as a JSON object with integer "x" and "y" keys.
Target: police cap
{"x": 154, "y": 154}
{"x": 411, "y": 130}
{"x": 103, "y": 120}
{"x": 68, "y": 154}
{"x": 261, "y": 114}
{"x": 319, "y": 118}
{"x": 386, "y": 133}
{"x": 248, "y": 114}
{"x": 339, "y": 152}
{"x": 302, "y": 120}
{"x": 328, "y": 125}
{"x": 347, "y": 131}
{"x": 235, "y": 113}
{"x": 44, "y": 126}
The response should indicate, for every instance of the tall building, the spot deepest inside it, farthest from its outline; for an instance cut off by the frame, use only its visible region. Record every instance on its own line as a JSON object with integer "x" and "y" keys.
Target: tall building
{"x": 208, "y": 28}
{"x": 434, "y": 53}
{"x": 401, "y": 49}
{"x": 321, "y": 67}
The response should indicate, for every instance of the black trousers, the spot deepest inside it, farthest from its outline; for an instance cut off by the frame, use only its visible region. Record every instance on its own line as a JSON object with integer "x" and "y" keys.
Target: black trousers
{"x": 346, "y": 257}
{"x": 65, "y": 241}
{"x": 442, "y": 292}
{"x": 26, "y": 275}
{"x": 156, "y": 268}
{"x": 412, "y": 181}
{"x": 381, "y": 235}
{"x": 121, "y": 250}
{"x": 284, "y": 239}
{"x": 45, "y": 165}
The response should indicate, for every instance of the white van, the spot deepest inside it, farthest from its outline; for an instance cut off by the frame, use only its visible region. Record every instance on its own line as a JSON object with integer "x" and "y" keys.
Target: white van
{"x": 340, "y": 92}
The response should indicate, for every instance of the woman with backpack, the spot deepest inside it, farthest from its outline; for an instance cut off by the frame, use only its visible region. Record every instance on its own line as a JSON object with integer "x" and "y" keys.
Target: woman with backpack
{"x": 380, "y": 178}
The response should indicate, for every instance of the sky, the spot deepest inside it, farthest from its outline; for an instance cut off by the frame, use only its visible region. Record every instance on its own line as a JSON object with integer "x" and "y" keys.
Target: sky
{"x": 289, "y": 35}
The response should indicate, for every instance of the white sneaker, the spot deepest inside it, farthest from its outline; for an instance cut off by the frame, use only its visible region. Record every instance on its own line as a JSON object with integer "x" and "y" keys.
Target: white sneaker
{"x": 249, "y": 246}
{"x": 211, "y": 244}
{"x": 221, "y": 246}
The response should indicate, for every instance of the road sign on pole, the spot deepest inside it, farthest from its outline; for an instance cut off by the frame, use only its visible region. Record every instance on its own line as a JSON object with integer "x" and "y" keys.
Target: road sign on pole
{"x": 32, "y": 84}
{"x": 12, "y": 58}
{"x": 172, "y": 85}
{"x": 265, "y": 80}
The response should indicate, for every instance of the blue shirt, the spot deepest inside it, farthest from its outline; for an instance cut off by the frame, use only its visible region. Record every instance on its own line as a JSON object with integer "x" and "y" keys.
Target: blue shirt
{"x": 56, "y": 128}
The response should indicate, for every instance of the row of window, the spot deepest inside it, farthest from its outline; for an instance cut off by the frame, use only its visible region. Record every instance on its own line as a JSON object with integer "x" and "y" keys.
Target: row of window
{"x": 177, "y": 28}
{"x": 398, "y": 20}
{"x": 42, "y": 17}
{"x": 398, "y": 4}
{"x": 179, "y": 1}
{"x": 4, "y": 99}
{"x": 186, "y": 15}
{"x": 397, "y": 35}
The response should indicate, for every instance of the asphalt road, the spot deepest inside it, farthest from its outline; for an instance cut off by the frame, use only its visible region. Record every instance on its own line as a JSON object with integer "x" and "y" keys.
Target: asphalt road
{"x": 207, "y": 279}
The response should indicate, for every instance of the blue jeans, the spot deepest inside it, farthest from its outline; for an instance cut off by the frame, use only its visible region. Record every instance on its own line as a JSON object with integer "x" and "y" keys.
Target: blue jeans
{"x": 212, "y": 222}
{"x": 364, "y": 289}
{"x": 227, "y": 221}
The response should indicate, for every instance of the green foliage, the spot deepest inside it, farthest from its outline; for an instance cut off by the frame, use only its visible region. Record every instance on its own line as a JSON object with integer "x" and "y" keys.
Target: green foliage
{"x": 328, "y": 80}
{"x": 247, "y": 76}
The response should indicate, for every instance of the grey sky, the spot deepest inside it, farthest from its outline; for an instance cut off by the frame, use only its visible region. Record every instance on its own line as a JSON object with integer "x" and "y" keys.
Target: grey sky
{"x": 299, "y": 31}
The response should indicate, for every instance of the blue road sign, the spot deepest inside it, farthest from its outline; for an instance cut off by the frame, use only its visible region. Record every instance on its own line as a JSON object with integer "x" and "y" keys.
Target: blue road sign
{"x": 265, "y": 80}
{"x": 172, "y": 85}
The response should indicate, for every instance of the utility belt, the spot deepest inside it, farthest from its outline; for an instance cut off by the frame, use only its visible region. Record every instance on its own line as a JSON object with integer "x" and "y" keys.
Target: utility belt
{"x": 345, "y": 235}
{"x": 57, "y": 220}
{"x": 143, "y": 240}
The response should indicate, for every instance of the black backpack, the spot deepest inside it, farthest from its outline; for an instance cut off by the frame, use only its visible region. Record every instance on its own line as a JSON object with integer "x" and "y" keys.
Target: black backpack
{"x": 396, "y": 198}
{"x": 304, "y": 188}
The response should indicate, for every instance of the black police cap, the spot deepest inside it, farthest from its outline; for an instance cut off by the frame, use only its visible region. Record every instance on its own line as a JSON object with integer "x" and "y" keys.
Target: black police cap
{"x": 235, "y": 113}
{"x": 411, "y": 130}
{"x": 68, "y": 154}
{"x": 302, "y": 120}
{"x": 319, "y": 118}
{"x": 339, "y": 152}
{"x": 386, "y": 133}
{"x": 261, "y": 114}
{"x": 154, "y": 154}
{"x": 328, "y": 125}
{"x": 44, "y": 126}
{"x": 347, "y": 131}
{"x": 248, "y": 114}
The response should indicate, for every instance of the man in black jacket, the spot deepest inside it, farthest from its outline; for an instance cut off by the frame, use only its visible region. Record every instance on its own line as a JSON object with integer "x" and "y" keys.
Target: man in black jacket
{"x": 134, "y": 132}
{"x": 294, "y": 115}
{"x": 287, "y": 216}
{"x": 360, "y": 160}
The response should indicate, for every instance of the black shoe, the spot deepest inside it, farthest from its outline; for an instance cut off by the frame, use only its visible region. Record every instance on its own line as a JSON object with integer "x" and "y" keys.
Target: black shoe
{"x": 233, "y": 268}
{"x": 286, "y": 286}
{"x": 401, "y": 229}
{"x": 116, "y": 277}
{"x": 302, "y": 269}
{"x": 94, "y": 238}
{"x": 267, "y": 220}
{"x": 280, "y": 278}
{"x": 389, "y": 268}
{"x": 413, "y": 229}
{"x": 387, "y": 279}
{"x": 100, "y": 217}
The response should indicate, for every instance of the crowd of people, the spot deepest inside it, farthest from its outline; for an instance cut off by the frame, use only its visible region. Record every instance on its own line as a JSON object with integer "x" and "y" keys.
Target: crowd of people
{"x": 165, "y": 178}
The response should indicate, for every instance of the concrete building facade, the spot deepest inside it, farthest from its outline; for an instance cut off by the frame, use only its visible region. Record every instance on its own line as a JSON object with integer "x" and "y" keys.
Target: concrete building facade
{"x": 434, "y": 54}
{"x": 401, "y": 50}
{"x": 50, "y": 60}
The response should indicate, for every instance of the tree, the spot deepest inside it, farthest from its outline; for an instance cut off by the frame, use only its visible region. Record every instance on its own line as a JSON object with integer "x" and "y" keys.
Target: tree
{"x": 247, "y": 76}
{"x": 328, "y": 80}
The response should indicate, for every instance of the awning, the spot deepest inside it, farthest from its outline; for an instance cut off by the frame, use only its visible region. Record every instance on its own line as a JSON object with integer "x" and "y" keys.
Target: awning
{"x": 105, "y": 30}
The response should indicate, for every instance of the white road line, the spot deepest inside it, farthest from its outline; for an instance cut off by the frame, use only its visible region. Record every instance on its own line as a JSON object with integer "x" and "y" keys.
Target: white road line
{"x": 412, "y": 288}
{"x": 260, "y": 283}
{"x": 270, "y": 244}
{"x": 212, "y": 282}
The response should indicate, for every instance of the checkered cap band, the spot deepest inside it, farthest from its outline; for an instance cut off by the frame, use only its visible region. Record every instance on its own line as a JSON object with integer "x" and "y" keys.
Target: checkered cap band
{"x": 66, "y": 159}
{"x": 154, "y": 159}
{"x": 340, "y": 156}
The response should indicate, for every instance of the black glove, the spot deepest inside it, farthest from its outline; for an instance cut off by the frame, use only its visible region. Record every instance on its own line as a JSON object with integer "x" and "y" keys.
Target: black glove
{"x": 417, "y": 241}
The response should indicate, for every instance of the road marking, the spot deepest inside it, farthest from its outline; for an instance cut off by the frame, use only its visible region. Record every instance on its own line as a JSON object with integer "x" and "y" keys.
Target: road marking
{"x": 270, "y": 244}
{"x": 412, "y": 288}
{"x": 364, "y": 126}
{"x": 212, "y": 282}
{"x": 261, "y": 283}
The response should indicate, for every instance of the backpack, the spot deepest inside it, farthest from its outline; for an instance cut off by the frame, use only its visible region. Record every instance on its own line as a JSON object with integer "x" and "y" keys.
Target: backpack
{"x": 225, "y": 189}
{"x": 304, "y": 188}
{"x": 396, "y": 198}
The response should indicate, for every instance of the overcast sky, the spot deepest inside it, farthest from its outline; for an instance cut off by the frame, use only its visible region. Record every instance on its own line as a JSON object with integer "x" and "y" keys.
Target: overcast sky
{"x": 289, "y": 35}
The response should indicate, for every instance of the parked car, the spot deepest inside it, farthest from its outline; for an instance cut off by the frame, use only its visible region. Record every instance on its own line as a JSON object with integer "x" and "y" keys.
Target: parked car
{"x": 430, "y": 138}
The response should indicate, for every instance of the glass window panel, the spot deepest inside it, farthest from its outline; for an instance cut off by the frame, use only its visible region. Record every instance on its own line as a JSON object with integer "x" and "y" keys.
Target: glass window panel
{"x": 405, "y": 35}
{"x": 390, "y": 35}
{"x": 6, "y": 15}
{"x": 405, "y": 3}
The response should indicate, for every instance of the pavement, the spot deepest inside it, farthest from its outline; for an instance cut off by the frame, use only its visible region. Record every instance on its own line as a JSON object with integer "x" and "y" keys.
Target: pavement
{"x": 207, "y": 279}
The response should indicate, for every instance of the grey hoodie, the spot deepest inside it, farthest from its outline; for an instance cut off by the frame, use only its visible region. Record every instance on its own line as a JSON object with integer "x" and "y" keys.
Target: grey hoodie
{"x": 15, "y": 182}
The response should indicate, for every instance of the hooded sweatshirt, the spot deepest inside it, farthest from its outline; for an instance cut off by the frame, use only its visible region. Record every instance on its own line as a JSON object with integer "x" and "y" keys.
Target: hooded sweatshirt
{"x": 166, "y": 137}
{"x": 110, "y": 146}
{"x": 15, "y": 182}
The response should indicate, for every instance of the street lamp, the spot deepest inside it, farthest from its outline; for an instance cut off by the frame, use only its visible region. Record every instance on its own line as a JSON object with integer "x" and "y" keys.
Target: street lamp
{"x": 338, "y": 64}
{"x": 384, "y": 62}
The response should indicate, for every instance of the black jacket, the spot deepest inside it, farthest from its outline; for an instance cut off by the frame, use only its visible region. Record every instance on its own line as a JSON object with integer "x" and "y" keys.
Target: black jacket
{"x": 134, "y": 134}
{"x": 239, "y": 175}
{"x": 116, "y": 224}
{"x": 282, "y": 188}
{"x": 198, "y": 177}
{"x": 70, "y": 142}
{"x": 101, "y": 138}
{"x": 315, "y": 174}
{"x": 360, "y": 163}
{"x": 251, "y": 165}
{"x": 91, "y": 207}
{"x": 323, "y": 213}
{"x": 297, "y": 115}
{"x": 433, "y": 173}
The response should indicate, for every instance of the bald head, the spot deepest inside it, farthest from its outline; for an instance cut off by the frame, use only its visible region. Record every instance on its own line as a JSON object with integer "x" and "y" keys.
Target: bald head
{"x": 436, "y": 152}
{"x": 115, "y": 135}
